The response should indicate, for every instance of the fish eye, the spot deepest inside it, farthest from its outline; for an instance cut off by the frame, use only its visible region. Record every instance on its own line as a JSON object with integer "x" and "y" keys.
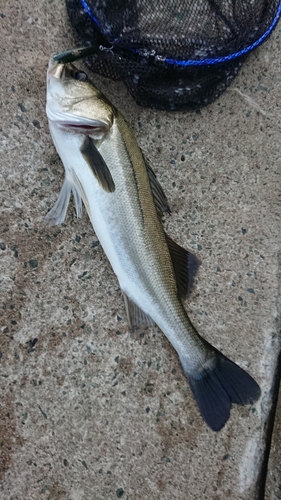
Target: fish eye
{"x": 79, "y": 75}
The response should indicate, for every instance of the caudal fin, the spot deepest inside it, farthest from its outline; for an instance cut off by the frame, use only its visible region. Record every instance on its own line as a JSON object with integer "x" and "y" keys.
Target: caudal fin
{"x": 216, "y": 388}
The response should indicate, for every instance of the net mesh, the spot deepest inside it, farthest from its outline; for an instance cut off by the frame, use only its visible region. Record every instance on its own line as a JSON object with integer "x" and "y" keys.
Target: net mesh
{"x": 172, "y": 54}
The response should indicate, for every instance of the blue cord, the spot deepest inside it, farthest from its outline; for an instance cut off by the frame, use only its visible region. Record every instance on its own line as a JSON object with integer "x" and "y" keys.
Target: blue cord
{"x": 88, "y": 10}
{"x": 202, "y": 62}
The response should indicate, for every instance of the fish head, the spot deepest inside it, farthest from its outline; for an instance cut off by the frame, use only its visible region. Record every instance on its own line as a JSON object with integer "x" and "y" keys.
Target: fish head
{"x": 73, "y": 101}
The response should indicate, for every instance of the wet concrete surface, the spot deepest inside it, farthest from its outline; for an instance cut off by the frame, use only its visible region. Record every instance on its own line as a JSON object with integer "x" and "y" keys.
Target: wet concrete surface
{"x": 89, "y": 410}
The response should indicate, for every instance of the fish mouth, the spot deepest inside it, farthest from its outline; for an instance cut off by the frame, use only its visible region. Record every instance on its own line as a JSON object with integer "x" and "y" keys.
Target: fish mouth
{"x": 59, "y": 70}
{"x": 55, "y": 69}
{"x": 75, "y": 123}
{"x": 78, "y": 126}
{"x": 83, "y": 128}
{"x": 65, "y": 71}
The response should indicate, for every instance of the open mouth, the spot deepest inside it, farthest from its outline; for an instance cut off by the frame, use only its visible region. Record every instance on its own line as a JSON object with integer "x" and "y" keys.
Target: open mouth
{"x": 84, "y": 127}
{"x": 77, "y": 123}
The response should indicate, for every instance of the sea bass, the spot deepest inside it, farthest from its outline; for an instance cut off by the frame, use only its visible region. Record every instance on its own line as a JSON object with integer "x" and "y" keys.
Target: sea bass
{"x": 105, "y": 168}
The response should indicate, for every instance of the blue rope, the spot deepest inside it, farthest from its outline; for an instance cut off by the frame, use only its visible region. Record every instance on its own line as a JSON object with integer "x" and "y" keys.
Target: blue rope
{"x": 88, "y": 10}
{"x": 202, "y": 62}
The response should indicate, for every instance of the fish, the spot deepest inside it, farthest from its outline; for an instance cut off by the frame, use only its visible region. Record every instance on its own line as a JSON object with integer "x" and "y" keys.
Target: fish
{"x": 106, "y": 169}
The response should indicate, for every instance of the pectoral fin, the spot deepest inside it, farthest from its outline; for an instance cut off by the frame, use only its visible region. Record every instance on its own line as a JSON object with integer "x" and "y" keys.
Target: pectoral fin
{"x": 136, "y": 317}
{"x": 58, "y": 213}
{"x": 185, "y": 266}
{"x": 97, "y": 164}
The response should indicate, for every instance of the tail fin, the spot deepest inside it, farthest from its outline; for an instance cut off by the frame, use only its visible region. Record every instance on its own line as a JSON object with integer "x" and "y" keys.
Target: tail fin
{"x": 216, "y": 388}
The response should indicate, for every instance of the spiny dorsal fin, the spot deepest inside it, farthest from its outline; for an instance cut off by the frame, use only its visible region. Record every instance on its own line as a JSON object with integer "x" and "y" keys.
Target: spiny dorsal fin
{"x": 97, "y": 164}
{"x": 185, "y": 265}
{"x": 158, "y": 194}
{"x": 136, "y": 317}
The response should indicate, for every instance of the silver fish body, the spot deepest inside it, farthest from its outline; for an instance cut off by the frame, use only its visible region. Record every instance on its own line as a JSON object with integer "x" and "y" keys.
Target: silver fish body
{"x": 106, "y": 169}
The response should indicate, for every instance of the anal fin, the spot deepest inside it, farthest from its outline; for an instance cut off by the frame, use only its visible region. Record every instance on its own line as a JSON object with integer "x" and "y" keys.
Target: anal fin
{"x": 136, "y": 317}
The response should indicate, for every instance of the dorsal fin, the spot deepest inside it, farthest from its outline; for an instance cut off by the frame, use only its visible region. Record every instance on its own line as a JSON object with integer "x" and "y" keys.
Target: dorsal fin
{"x": 136, "y": 317}
{"x": 185, "y": 265}
{"x": 97, "y": 164}
{"x": 158, "y": 194}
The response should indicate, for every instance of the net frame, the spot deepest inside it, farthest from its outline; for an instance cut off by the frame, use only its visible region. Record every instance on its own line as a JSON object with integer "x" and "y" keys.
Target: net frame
{"x": 160, "y": 78}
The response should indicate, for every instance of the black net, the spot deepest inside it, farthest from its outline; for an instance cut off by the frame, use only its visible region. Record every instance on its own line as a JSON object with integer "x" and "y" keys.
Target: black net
{"x": 172, "y": 54}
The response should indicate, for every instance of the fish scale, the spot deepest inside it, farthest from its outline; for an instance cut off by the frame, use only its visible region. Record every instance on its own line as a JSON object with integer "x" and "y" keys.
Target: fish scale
{"x": 148, "y": 252}
{"x": 105, "y": 167}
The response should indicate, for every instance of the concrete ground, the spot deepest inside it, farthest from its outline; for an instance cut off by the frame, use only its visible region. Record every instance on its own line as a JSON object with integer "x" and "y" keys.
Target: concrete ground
{"x": 89, "y": 410}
